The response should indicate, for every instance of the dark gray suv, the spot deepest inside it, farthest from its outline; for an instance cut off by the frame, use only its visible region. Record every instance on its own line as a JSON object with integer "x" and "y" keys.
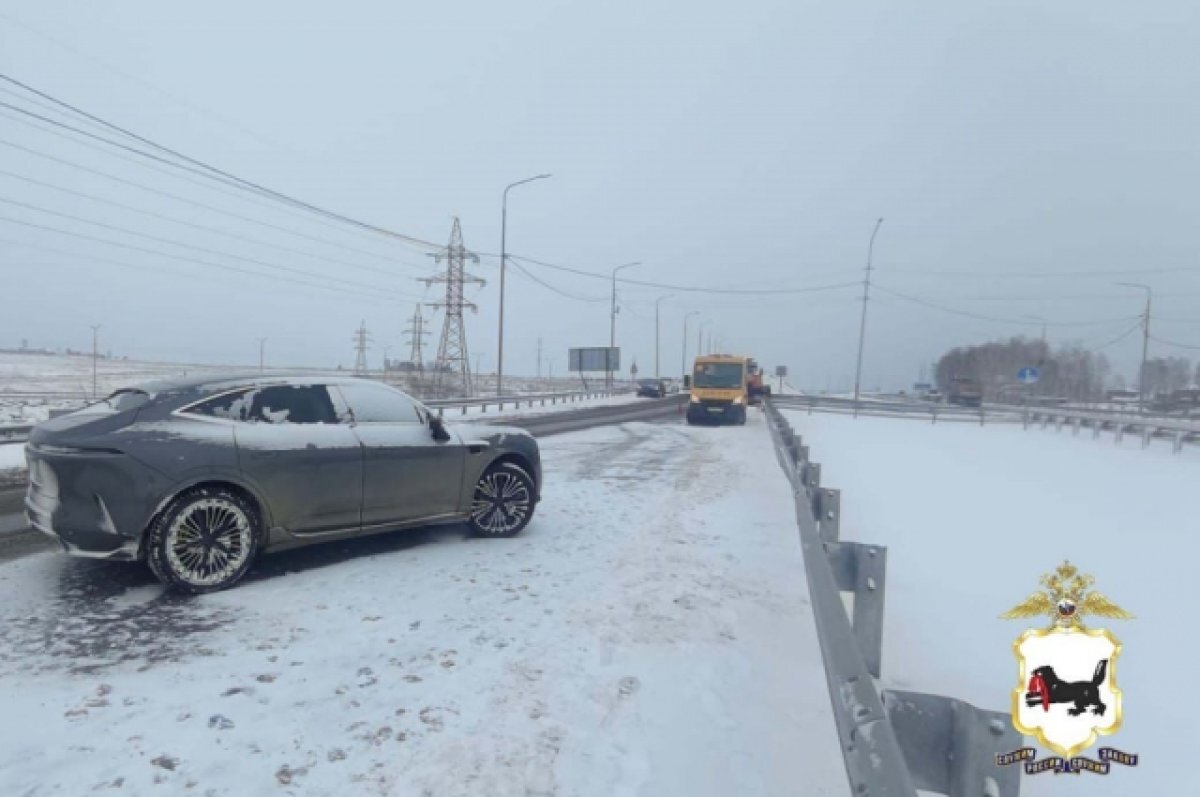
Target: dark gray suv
{"x": 198, "y": 477}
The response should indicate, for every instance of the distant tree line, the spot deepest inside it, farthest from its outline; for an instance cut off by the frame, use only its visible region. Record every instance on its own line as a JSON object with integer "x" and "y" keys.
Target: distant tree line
{"x": 1068, "y": 371}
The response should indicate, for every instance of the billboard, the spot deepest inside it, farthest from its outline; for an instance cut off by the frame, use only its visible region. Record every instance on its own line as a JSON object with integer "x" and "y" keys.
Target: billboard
{"x": 601, "y": 358}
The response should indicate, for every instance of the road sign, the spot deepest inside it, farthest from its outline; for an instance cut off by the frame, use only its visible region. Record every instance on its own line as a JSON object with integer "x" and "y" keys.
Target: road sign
{"x": 1028, "y": 375}
{"x": 781, "y": 370}
{"x": 595, "y": 359}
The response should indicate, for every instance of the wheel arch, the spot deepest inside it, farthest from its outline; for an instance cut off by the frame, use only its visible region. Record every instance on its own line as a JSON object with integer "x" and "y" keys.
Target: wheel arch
{"x": 218, "y": 482}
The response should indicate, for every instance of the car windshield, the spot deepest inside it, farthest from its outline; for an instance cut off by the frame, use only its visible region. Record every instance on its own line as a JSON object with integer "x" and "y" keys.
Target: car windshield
{"x": 719, "y": 375}
{"x": 649, "y": 382}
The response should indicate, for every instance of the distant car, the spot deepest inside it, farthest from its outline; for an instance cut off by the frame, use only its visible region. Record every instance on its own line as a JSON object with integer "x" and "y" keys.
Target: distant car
{"x": 652, "y": 388}
{"x": 198, "y": 477}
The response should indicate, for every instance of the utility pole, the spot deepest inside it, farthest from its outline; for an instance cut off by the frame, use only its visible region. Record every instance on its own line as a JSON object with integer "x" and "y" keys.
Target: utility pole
{"x": 503, "y": 262}
{"x": 452, "y": 357}
{"x": 683, "y": 369}
{"x": 700, "y": 338}
{"x": 95, "y": 355}
{"x": 657, "y": 370}
{"x": 539, "y": 359}
{"x": 612, "y": 326}
{"x": 862, "y": 326}
{"x": 1145, "y": 343}
{"x": 262, "y": 345}
{"x": 361, "y": 338}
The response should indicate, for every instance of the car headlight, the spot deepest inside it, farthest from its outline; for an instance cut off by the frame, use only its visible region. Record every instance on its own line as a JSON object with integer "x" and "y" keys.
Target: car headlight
{"x": 737, "y": 400}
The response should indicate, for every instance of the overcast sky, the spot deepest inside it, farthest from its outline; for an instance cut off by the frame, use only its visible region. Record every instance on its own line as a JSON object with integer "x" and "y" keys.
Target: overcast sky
{"x": 749, "y": 145}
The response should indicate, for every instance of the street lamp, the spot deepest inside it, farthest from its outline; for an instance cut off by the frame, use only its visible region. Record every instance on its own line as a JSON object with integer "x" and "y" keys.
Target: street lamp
{"x": 683, "y": 369}
{"x": 862, "y": 325}
{"x": 612, "y": 324}
{"x": 1145, "y": 342}
{"x": 657, "y": 372}
{"x": 700, "y": 337}
{"x": 503, "y": 260}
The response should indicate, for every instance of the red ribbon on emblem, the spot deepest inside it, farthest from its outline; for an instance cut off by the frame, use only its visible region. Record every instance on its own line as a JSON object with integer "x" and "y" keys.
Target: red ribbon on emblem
{"x": 1037, "y": 686}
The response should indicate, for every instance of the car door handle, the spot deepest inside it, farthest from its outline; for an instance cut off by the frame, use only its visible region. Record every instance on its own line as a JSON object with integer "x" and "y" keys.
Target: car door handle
{"x": 478, "y": 446}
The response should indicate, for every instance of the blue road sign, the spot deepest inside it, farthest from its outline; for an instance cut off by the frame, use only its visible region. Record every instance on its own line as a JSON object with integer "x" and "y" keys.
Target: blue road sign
{"x": 1028, "y": 375}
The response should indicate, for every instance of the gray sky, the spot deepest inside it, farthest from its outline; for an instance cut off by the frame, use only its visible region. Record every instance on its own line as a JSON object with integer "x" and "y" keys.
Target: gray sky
{"x": 750, "y": 145}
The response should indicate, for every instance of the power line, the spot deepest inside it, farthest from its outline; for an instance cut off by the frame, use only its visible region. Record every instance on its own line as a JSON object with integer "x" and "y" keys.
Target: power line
{"x": 134, "y": 78}
{"x": 1118, "y": 338}
{"x": 688, "y": 288}
{"x": 173, "y": 242}
{"x": 202, "y": 227}
{"x": 1044, "y": 274}
{"x": 559, "y": 291}
{"x": 207, "y": 168}
{"x": 159, "y": 253}
{"x": 1173, "y": 343}
{"x": 196, "y": 203}
{"x": 979, "y": 317}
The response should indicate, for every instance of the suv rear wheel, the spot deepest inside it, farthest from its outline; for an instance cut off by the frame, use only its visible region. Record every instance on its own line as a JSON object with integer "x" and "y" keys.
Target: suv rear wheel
{"x": 204, "y": 541}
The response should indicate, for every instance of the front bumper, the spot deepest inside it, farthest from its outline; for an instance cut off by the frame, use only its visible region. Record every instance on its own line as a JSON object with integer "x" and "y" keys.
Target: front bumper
{"x": 713, "y": 410}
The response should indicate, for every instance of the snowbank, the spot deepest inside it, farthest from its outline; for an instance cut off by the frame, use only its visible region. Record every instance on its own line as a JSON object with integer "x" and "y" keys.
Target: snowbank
{"x": 972, "y": 516}
{"x": 649, "y": 633}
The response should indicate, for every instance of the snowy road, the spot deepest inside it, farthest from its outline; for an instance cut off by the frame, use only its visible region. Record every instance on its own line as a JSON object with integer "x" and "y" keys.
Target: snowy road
{"x": 649, "y": 633}
{"x": 972, "y": 516}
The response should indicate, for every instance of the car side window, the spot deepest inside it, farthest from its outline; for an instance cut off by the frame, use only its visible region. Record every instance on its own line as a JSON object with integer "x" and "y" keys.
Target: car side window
{"x": 371, "y": 402}
{"x": 234, "y": 406}
{"x": 291, "y": 404}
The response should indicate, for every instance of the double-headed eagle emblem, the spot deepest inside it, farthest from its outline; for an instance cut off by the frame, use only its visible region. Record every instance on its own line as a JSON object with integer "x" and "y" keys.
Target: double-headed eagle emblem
{"x": 1066, "y": 600}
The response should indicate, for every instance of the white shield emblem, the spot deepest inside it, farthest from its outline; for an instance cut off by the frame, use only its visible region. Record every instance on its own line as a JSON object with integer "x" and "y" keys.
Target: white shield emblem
{"x": 1067, "y": 693}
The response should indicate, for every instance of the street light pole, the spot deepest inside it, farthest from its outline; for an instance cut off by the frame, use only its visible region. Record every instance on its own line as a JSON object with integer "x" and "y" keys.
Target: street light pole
{"x": 683, "y": 369}
{"x": 503, "y": 261}
{"x": 612, "y": 325}
{"x": 262, "y": 342}
{"x": 1145, "y": 343}
{"x": 700, "y": 338}
{"x": 862, "y": 325}
{"x": 95, "y": 354}
{"x": 657, "y": 370}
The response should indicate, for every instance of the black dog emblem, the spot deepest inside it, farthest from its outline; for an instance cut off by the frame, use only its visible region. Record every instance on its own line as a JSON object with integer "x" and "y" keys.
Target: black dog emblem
{"x": 1045, "y": 687}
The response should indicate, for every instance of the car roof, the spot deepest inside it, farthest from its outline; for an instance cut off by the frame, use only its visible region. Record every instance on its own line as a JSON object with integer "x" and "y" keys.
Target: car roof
{"x": 213, "y": 382}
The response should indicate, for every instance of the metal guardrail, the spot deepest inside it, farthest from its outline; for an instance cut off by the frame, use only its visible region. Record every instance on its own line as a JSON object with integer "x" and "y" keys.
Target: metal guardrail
{"x": 923, "y": 410}
{"x": 1147, "y": 427}
{"x": 19, "y": 433}
{"x": 517, "y": 400}
{"x": 893, "y": 742}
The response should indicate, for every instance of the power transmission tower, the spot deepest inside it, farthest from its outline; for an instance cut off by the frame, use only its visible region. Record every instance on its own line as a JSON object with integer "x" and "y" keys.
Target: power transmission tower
{"x": 361, "y": 339}
{"x": 416, "y": 335}
{"x": 453, "y": 366}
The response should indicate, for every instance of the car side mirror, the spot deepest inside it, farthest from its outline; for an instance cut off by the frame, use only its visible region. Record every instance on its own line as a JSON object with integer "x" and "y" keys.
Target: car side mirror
{"x": 438, "y": 428}
{"x": 687, "y": 382}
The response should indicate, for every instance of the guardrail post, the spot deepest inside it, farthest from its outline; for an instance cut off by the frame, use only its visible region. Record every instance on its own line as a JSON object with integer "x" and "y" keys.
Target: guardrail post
{"x": 1147, "y": 432}
{"x": 1075, "y": 424}
{"x": 862, "y": 570}
{"x": 950, "y": 746}
{"x": 464, "y": 409}
{"x": 1045, "y": 420}
{"x": 1178, "y": 444}
{"x": 829, "y": 514}
{"x": 1120, "y": 432}
{"x": 1097, "y": 427}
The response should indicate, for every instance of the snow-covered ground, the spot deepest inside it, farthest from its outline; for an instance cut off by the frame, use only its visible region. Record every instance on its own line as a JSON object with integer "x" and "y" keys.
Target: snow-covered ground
{"x": 12, "y": 455}
{"x": 972, "y": 516}
{"x": 649, "y": 633}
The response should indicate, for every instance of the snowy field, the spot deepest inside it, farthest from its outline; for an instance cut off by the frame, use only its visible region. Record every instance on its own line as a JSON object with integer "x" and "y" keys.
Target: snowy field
{"x": 972, "y": 516}
{"x": 649, "y": 633}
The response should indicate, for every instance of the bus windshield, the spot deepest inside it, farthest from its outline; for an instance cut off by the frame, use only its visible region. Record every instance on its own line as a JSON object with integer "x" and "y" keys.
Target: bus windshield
{"x": 728, "y": 375}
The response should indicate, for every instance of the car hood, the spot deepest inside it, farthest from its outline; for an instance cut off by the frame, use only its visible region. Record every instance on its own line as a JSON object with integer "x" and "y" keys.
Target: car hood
{"x": 492, "y": 433}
